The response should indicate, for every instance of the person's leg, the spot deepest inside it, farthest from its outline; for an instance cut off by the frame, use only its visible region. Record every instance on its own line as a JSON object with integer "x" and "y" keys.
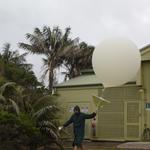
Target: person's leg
{"x": 75, "y": 147}
{"x": 82, "y": 147}
{"x": 94, "y": 132}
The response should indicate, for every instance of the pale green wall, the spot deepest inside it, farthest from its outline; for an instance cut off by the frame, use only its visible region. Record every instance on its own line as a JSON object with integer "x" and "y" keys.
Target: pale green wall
{"x": 131, "y": 94}
{"x": 145, "y": 80}
{"x": 77, "y": 96}
{"x": 146, "y": 88}
{"x": 116, "y": 110}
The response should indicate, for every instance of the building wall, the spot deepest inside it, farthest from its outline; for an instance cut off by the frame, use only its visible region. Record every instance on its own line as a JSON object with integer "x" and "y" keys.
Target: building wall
{"x": 145, "y": 54}
{"x": 119, "y": 120}
{"x": 82, "y": 96}
{"x": 125, "y": 118}
{"x": 146, "y": 90}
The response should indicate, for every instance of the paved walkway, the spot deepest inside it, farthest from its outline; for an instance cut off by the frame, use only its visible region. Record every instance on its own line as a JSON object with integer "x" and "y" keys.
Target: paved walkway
{"x": 112, "y": 145}
{"x": 95, "y": 145}
{"x": 135, "y": 145}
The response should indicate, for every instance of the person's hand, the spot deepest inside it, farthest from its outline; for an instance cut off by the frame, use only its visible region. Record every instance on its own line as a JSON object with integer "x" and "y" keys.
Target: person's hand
{"x": 60, "y": 128}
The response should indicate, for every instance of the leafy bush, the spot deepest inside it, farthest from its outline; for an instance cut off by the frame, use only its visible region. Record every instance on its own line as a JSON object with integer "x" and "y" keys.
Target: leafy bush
{"x": 21, "y": 131}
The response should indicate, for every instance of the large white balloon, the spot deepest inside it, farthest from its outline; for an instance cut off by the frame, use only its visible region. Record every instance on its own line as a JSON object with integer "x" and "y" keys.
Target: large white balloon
{"x": 116, "y": 61}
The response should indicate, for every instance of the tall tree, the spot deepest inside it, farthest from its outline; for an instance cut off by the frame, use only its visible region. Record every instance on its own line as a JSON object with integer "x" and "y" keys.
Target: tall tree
{"x": 53, "y": 43}
{"x": 78, "y": 59}
{"x": 13, "y": 67}
{"x": 10, "y": 56}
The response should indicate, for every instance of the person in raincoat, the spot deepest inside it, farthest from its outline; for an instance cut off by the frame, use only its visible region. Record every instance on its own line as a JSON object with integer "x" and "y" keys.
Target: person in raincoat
{"x": 78, "y": 120}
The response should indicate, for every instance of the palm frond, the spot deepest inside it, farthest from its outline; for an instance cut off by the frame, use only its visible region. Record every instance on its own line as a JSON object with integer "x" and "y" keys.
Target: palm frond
{"x": 33, "y": 48}
{"x": 43, "y": 111}
{"x": 66, "y": 35}
{"x": 15, "y": 106}
{"x": 27, "y": 67}
{"x": 21, "y": 57}
{"x": 44, "y": 74}
{"x": 8, "y": 84}
{"x": 50, "y": 132}
{"x": 44, "y": 101}
{"x": 32, "y": 38}
{"x": 20, "y": 90}
{"x": 25, "y": 46}
{"x": 45, "y": 61}
{"x": 47, "y": 124}
{"x": 38, "y": 32}
{"x": 6, "y": 47}
{"x": 2, "y": 98}
{"x": 47, "y": 34}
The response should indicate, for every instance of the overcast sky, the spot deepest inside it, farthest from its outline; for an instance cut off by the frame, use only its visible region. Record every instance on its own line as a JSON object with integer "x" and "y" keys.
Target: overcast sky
{"x": 90, "y": 20}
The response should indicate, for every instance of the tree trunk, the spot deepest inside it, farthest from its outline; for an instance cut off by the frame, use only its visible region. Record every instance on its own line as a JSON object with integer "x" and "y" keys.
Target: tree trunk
{"x": 51, "y": 75}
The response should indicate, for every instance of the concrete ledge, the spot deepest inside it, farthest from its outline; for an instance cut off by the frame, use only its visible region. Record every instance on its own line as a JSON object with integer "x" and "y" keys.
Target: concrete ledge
{"x": 135, "y": 145}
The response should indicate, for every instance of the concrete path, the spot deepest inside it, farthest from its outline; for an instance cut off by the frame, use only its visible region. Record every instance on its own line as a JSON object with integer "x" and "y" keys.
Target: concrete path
{"x": 90, "y": 145}
{"x": 135, "y": 145}
{"x": 112, "y": 145}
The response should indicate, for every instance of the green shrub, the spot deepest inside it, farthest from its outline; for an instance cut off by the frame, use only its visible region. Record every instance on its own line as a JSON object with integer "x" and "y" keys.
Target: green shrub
{"x": 20, "y": 131}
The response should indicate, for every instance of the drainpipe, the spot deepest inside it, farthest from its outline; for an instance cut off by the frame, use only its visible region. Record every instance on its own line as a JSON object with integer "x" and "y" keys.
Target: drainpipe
{"x": 144, "y": 113}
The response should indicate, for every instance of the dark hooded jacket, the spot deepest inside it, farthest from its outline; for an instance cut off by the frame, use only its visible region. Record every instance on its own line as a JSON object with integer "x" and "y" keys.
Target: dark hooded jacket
{"x": 78, "y": 121}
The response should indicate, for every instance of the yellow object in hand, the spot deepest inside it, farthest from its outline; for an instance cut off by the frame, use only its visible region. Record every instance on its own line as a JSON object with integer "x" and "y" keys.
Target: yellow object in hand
{"x": 99, "y": 101}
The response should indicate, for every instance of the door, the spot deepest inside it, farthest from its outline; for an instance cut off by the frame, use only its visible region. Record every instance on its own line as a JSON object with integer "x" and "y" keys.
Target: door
{"x": 133, "y": 120}
{"x": 111, "y": 117}
{"x": 121, "y": 119}
{"x": 111, "y": 121}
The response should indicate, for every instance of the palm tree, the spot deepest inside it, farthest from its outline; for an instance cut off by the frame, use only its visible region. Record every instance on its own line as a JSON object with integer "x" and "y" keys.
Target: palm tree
{"x": 13, "y": 98}
{"x": 77, "y": 60}
{"x": 6, "y": 53}
{"x": 9, "y": 56}
{"x": 54, "y": 44}
{"x": 43, "y": 111}
{"x": 7, "y": 103}
{"x": 46, "y": 114}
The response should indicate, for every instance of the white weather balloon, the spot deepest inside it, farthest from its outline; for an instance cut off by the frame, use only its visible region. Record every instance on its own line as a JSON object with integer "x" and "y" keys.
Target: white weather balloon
{"x": 116, "y": 61}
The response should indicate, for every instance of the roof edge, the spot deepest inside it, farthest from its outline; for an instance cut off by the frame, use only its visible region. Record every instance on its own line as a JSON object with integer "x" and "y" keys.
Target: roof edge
{"x": 84, "y": 85}
{"x": 144, "y": 48}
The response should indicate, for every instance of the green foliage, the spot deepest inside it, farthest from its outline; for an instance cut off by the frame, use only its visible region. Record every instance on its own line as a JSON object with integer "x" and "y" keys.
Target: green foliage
{"x": 2, "y": 80}
{"x": 146, "y": 133}
{"x": 24, "y": 130}
{"x": 23, "y": 121}
{"x": 29, "y": 124}
{"x": 45, "y": 101}
{"x": 54, "y": 44}
{"x": 28, "y": 115}
{"x": 20, "y": 75}
{"x": 17, "y": 131}
{"x": 77, "y": 60}
{"x": 13, "y": 67}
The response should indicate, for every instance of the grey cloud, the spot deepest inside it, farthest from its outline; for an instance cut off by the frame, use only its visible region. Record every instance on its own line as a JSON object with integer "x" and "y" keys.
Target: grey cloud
{"x": 91, "y": 20}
